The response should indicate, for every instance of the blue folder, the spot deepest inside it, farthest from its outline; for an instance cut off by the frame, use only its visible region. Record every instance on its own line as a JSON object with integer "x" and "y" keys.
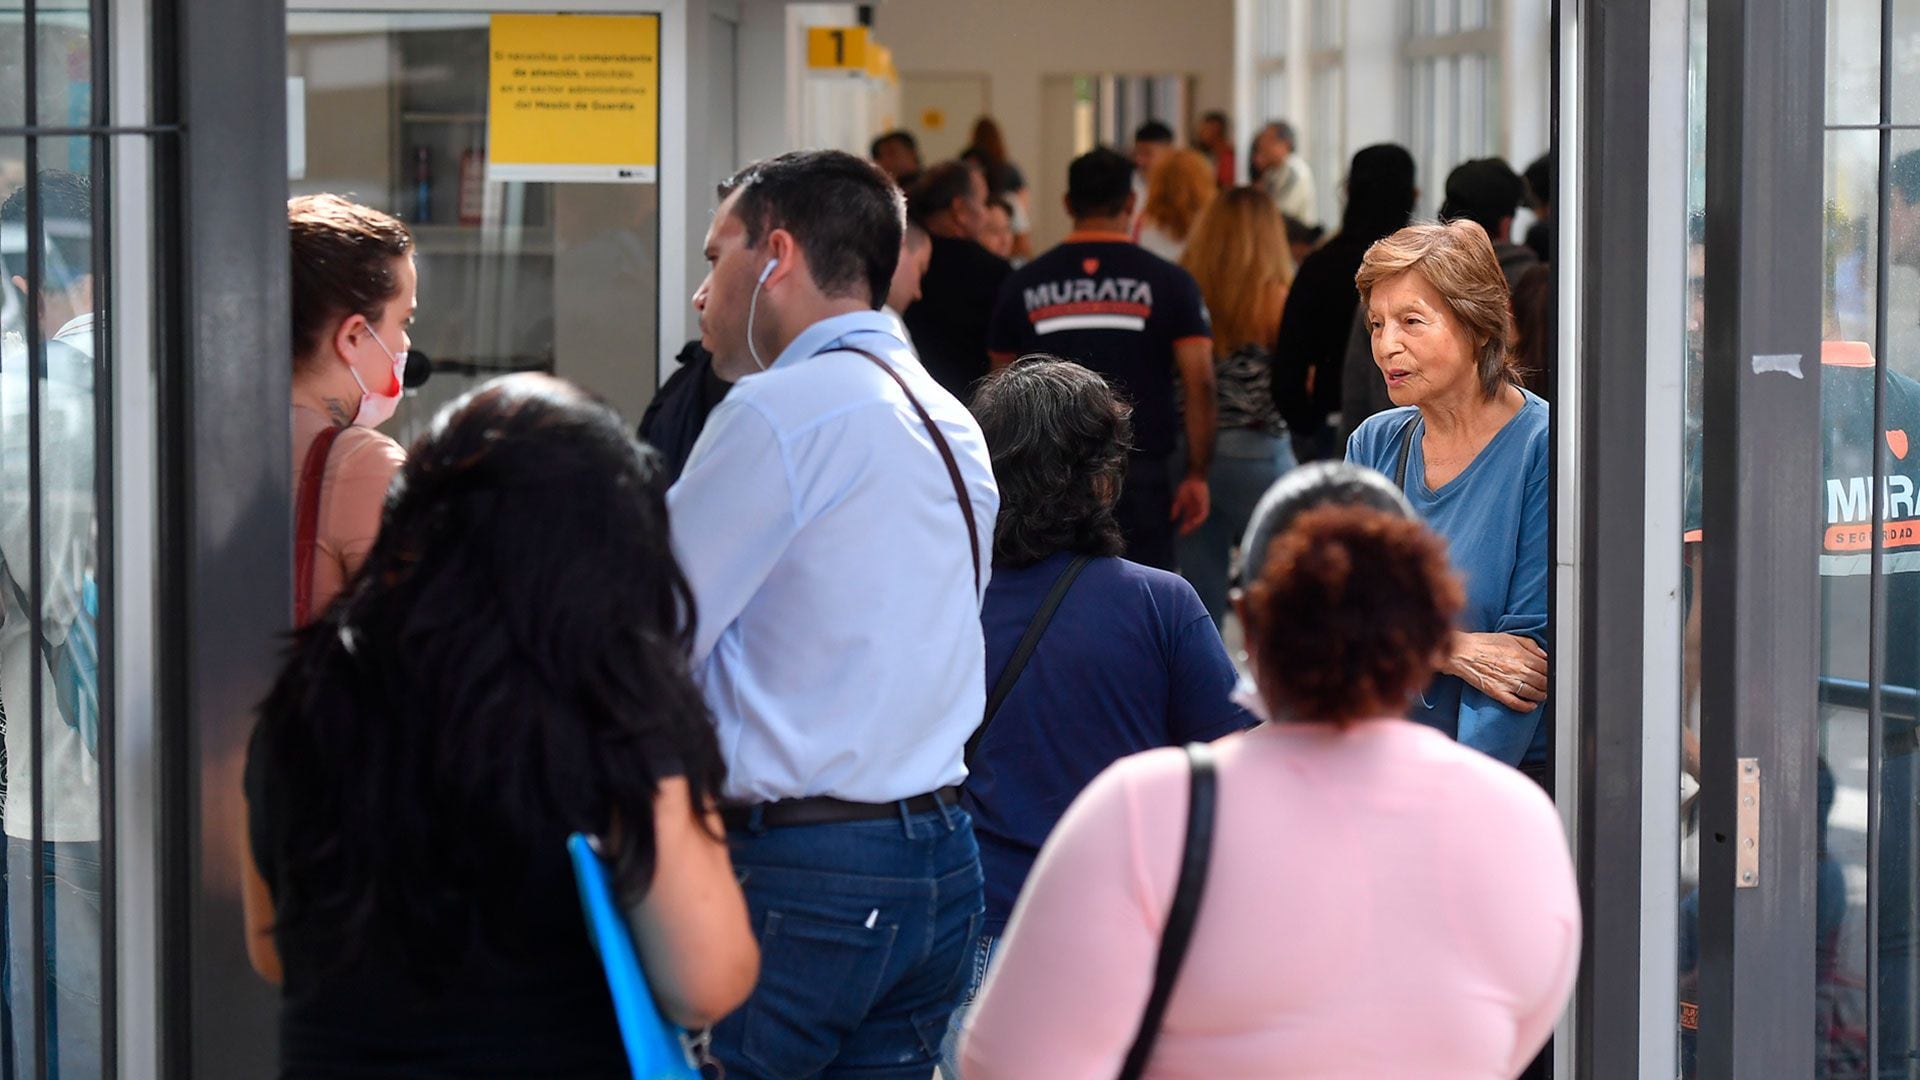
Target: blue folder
{"x": 656, "y": 1049}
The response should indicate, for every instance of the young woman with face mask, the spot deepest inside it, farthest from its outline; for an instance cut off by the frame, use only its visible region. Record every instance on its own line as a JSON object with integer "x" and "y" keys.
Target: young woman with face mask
{"x": 353, "y": 299}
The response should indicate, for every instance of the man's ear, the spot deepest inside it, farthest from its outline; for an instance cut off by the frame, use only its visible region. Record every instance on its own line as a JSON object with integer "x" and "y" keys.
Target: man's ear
{"x": 781, "y": 245}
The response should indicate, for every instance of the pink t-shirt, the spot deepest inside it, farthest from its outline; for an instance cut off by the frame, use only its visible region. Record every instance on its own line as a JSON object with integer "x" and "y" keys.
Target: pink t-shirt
{"x": 1381, "y": 902}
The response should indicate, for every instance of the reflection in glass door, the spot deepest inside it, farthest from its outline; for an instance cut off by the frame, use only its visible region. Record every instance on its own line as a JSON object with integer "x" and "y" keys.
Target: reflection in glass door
{"x": 56, "y": 592}
{"x": 1867, "y": 983}
{"x": 514, "y": 276}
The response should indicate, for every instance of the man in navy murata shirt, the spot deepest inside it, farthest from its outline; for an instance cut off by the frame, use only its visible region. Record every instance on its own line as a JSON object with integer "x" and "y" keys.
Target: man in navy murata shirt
{"x": 1103, "y": 301}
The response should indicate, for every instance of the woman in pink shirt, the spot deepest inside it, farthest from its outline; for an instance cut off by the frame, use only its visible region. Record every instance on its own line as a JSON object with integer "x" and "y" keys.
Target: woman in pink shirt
{"x": 1381, "y": 901}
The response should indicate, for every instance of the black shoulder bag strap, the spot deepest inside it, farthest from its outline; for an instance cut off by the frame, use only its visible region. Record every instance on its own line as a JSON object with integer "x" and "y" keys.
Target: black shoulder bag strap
{"x": 1406, "y": 451}
{"x": 946, "y": 455}
{"x": 1186, "y": 905}
{"x": 1023, "y": 652}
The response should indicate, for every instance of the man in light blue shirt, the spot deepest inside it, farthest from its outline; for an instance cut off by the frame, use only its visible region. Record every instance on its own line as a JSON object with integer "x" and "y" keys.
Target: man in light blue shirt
{"x": 837, "y": 574}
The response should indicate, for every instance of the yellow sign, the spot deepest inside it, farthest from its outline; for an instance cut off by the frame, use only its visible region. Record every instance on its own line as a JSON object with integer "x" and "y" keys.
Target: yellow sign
{"x": 838, "y": 48}
{"x": 574, "y": 98}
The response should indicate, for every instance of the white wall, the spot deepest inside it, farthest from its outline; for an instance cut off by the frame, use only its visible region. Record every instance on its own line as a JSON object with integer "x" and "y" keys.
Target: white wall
{"x": 1016, "y": 44}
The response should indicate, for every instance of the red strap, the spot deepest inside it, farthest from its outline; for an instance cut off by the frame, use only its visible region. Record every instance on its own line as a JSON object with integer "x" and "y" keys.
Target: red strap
{"x": 946, "y": 455}
{"x": 306, "y": 523}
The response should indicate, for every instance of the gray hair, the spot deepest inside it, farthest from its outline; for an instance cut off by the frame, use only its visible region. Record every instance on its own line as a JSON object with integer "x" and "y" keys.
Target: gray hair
{"x": 1059, "y": 438}
{"x": 1322, "y": 483}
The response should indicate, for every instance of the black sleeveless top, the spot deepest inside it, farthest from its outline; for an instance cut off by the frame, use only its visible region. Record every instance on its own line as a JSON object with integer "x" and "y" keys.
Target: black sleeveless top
{"x": 538, "y": 1009}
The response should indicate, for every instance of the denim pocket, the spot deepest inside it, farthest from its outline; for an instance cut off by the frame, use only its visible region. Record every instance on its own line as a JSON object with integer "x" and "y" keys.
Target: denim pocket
{"x": 818, "y": 980}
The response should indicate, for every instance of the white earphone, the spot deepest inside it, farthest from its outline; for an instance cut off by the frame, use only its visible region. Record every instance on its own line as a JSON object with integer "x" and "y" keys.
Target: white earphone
{"x": 753, "y": 306}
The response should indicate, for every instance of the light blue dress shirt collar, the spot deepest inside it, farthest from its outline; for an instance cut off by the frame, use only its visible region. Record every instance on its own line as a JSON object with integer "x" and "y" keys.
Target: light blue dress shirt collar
{"x": 823, "y": 335}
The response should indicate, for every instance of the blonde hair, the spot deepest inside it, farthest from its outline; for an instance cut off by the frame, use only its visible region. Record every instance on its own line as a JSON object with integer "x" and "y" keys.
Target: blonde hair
{"x": 1180, "y": 188}
{"x": 1238, "y": 254}
{"x": 1457, "y": 259}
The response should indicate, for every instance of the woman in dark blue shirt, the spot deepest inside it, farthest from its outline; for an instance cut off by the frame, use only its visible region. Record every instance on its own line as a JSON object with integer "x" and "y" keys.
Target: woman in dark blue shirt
{"x": 1469, "y": 448}
{"x": 1130, "y": 660}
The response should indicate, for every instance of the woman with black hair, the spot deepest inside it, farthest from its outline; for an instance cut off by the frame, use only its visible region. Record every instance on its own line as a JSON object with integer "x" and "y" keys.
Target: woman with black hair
{"x": 508, "y": 667}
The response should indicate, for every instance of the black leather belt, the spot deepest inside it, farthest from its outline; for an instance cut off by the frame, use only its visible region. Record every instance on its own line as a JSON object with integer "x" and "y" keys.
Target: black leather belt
{"x": 827, "y": 810}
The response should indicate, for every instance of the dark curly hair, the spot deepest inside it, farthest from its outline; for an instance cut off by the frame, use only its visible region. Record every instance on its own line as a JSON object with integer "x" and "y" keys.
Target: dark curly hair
{"x": 1351, "y": 614}
{"x": 508, "y": 667}
{"x": 1059, "y": 437}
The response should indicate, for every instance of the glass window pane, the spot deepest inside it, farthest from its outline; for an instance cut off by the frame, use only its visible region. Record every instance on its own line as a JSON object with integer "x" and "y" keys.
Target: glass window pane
{"x": 13, "y": 73}
{"x": 1848, "y": 304}
{"x": 512, "y": 275}
{"x": 63, "y": 56}
{"x": 1273, "y": 15}
{"x": 1326, "y": 144}
{"x": 1853, "y": 61}
{"x": 1473, "y": 107}
{"x": 1328, "y": 31}
{"x": 1273, "y": 94}
{"x": 1906, "y": 58}
{"x": 1691, "y": 354}
{"x": 1487, "y": 93}
{"x": 1473, "y": 14}
{"x": 1861, "y": 460}
{"x": 1446, "y": 131}
{"x": 64, "y": 64}
{"x": 60, "y": 638}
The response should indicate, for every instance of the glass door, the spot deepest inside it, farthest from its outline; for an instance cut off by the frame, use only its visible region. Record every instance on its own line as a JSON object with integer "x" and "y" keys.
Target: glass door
{"x": 556, "y": 275}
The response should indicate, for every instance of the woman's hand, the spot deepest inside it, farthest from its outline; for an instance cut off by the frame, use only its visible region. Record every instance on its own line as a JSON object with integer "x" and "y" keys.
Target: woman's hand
{"x": 1510, "y": 669}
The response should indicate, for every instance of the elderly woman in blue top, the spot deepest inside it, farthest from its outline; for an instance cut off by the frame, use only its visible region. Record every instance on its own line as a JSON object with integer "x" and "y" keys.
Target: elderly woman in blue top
{"x": 1468, "y": 446}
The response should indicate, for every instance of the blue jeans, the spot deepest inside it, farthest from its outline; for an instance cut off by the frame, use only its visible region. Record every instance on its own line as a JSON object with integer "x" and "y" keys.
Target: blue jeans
{"x": 69, "y": 973}
{"x": 976, "y": 975}
{"x": 866, "y": 929}
{"x": 1245, "y": 465}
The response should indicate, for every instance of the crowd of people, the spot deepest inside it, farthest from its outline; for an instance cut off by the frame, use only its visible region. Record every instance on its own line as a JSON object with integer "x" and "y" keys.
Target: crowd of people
{"x": 889, "y": 667}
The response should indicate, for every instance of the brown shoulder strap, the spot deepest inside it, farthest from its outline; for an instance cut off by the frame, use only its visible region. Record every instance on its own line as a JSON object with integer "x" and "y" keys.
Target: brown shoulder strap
{"x": 306, "y": 523}
{"x": 946, "y": 455}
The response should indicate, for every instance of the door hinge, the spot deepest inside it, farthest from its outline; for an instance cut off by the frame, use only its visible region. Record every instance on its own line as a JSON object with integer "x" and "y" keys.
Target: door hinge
{"x": 1746, "y": 856}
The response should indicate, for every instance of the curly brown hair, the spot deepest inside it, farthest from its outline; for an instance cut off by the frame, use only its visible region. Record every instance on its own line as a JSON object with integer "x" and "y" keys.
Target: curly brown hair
{"x": 1351, "y": 614}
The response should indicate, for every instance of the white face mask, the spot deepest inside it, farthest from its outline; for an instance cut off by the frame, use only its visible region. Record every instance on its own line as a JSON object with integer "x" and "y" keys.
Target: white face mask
{"x": 377, "y": 409}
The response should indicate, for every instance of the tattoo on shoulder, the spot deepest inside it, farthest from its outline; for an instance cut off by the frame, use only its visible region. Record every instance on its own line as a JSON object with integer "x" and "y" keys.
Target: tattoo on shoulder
{"x": 338, "y": 412}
